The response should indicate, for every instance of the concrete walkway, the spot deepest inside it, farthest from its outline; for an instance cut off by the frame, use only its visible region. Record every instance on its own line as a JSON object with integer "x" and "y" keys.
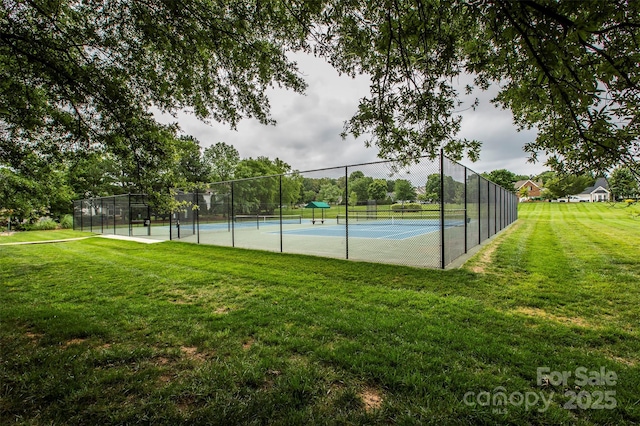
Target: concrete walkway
{"x": 134, "y": 239}
{"x": 19, "y": 243}
{"x": 112, "y": 237}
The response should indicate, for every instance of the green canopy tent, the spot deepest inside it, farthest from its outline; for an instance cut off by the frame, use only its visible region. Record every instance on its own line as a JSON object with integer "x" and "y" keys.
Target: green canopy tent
{"x": 317, "y": 205}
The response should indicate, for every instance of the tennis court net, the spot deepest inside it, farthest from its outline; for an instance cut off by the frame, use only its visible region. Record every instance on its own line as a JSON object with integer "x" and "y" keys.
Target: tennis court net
{"x": 268, "y": 219}
{"x": 426, "y": 218}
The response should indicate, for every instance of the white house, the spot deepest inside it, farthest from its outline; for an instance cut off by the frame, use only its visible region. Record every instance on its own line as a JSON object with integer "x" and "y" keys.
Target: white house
{"x": 598, "y": 192}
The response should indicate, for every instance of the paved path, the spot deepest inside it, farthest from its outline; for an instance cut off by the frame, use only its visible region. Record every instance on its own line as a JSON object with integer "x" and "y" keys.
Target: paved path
{"x": 113, "y": 237}
{"x": 19, "y": 243}
{"x": 135, "y": 239}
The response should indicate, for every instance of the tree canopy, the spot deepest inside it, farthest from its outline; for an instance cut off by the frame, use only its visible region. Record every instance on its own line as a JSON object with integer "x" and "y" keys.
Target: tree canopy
{"x": 86, "y": 76}
{"x": 502, "y": 177}
{"x": 570, "y": 72}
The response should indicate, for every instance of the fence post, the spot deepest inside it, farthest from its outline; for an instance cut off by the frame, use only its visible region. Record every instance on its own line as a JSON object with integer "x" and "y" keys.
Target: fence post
{"x": 233, "y": 225}
{"x": 488, "y": 209}
{"x": 280, "y": 208}
{"x": 465, "y": 212}
{"x": 346, "y": 210}
{"x": 479, "y": 209}
{"x": 442, "y": 236}
{"x": 196, "y": 223}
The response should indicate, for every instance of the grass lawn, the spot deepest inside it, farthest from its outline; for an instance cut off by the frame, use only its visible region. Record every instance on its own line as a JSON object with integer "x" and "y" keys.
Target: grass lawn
{"x": 61, "y": 234}
{"x": 103, "y": 331}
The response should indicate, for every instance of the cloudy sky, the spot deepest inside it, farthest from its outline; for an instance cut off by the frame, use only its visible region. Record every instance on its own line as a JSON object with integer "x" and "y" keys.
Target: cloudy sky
{"x": 307, "y": 134}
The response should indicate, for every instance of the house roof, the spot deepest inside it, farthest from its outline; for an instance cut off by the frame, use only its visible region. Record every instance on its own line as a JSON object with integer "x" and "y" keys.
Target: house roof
{"x": 600, "y": 186}
{"x": 519, "y": 184}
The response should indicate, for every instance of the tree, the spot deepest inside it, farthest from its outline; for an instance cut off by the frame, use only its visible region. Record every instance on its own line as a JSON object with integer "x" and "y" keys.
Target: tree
{"x": 40, "y": 189}
{"x": 353, "y": 199}
{"x": 189, "y": 164}
{"x": 453, "y": 190}
{"x": 570, "y": 72}
{"x": 545, "y": 176}
{"x": 291, "y": 186}
{"x": 222, "y": 160}
{"x": 378, "y": 189}
{"x": 94, "y": 175}
{"x": 355, "y": 175}
{"x": 622, "y": 184}
{"x": 81, "y": 75}
{"x": 432, "y": 187}
{"x": 361, "y": 187}
{"x": 502, "y": 177}
{"x": 404, "y": 191}
{"x": 330, "y": 193}
{"x": 561, "y": 186}
{"x": 85, "y": 65}
{"x": 523, "y": 193}
{"x": 262, "y": 194}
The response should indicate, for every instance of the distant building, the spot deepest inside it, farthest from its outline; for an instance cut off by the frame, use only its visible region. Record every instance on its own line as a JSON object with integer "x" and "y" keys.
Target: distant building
{"x": 534, "y": 188}
{"x": 596, "y": 193}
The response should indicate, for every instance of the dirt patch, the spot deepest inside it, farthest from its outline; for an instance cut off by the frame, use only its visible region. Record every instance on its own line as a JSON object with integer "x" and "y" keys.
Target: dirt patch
{"x": 185, "y": 403}
{"x": 34, "y": 337}
{"x": 371, "y": 398}
{"x": 191, "y": 352}
{"x": 164, "y": 378}
{"x": 486, "y": 256}
{"x": 162, "y": 360}
{"x": 539, "y": 313}
{"x": 72, "y": 342}
{"x": 222, "y": 310}
{"x": 625, "y": 361}
{"x": 485, "y": 259}
{"x": 247, "y": 344}
{"x": 269, "y": 382}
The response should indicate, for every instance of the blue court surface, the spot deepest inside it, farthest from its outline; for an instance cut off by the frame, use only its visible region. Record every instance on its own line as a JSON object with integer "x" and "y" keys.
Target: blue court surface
{"x": 379, "y": 229}
{"x": 388, "y": 232}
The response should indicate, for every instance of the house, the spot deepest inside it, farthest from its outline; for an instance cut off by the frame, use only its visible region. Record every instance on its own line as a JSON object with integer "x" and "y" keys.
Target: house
{"x": 534, "y": 189}
{"x": 598, "y": 192}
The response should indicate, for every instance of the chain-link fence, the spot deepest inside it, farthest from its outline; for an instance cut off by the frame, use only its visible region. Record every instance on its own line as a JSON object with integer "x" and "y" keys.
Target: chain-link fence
{"x": 126, "y": 214}
{"x": 427, "y": 214}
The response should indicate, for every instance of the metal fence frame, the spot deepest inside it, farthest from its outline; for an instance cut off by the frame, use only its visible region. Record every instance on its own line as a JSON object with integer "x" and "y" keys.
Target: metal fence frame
{"x": 484, "y": 207}
{"x": 120, "y": 214}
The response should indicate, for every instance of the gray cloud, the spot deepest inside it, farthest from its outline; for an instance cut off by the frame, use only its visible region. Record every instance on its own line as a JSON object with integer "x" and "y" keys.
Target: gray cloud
{"x": 307, "y": 134}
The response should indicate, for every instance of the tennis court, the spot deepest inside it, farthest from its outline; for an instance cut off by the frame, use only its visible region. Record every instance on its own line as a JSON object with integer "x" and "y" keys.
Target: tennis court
{"x": 457, "y": 210}
{"x": 374, "y": 227}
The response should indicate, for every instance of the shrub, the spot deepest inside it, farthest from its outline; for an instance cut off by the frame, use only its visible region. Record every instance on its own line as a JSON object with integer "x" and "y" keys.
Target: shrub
{"x": 66, "y": 222}
{"x": 46, "y": 224}
{"x": 407, "y": 207}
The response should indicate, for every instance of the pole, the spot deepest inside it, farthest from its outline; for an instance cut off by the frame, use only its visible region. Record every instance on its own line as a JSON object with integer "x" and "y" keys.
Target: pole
{"x": 442, "y": 239}
{"x": 465, "y": 211}
{"x": 233, "y": 225}
{"x": 196, "y": 225}
{"x": 280, "y": 204}
{"x": 346, "y": 210}
{"x": 479, "y": 209}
